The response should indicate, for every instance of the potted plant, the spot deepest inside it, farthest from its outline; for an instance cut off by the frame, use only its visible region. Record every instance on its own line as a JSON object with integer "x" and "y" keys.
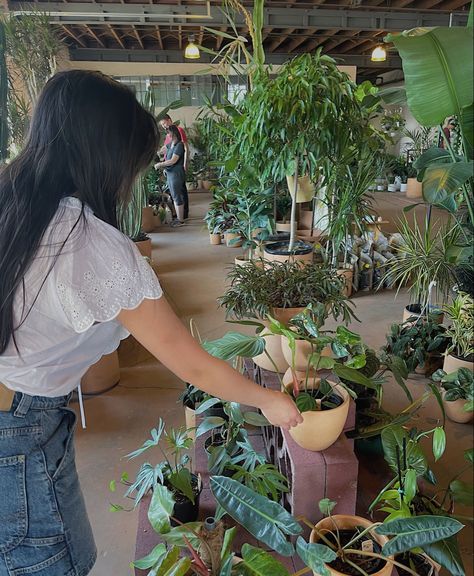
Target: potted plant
{"x": 171, "y": 475}
{"x": 460, "y": 352}
{"x": 420, "y": 140}
{"x": 419, "y": 342}
{"x": 458, "y": 394}
{"x": 281, "y": 290}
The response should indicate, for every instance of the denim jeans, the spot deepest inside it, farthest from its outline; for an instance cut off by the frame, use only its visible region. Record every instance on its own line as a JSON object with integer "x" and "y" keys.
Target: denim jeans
{"x": 44, "y": 529}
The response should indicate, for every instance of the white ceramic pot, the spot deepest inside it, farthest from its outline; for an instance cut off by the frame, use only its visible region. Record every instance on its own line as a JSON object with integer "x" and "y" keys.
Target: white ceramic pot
{"x": 303, "y": 351}
{"x": 392, "y": 187}
{"x": 452, "y": 363}
{"x": 403, "y": 187}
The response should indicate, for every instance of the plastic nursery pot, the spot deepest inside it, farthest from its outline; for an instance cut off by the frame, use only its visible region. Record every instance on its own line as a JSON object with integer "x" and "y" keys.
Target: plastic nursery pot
{"x": 184, "y": 510}
{"x": 423, "y": 565}
{"x": 415, "y": 310}
{"x": 455, "y": 410}
{"x": 371, "y": 446}
{"x": 321, "y": 428}
{"x": 215, "y": 239}
{"x": 279, "y": 252}
{"x": 303, "y": 351}
{"x": 344, "y": 522}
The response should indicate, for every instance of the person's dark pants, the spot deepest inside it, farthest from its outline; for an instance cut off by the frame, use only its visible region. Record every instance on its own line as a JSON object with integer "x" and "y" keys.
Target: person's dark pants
{"x": 186, "y": 200}
{"x": 178, "y": 190}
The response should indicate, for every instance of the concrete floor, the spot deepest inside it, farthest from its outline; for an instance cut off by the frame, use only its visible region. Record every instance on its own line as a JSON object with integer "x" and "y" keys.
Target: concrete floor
{"x": 192, "y": 274}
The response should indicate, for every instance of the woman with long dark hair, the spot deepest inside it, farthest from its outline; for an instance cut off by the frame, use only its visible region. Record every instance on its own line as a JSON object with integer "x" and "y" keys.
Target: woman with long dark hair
{"x": 175, "y": 174}
{"x": 71, "y": 287}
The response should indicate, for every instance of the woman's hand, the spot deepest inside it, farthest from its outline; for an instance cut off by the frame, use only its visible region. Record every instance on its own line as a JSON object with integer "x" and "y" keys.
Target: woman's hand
{"x": 158, "y": 165}
{"x": 280, "y": 410}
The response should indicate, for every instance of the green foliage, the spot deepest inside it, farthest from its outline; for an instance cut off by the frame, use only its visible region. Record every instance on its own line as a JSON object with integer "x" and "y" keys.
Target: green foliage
{"x": 254, "y": 291}
{"x": 414, "y": 339}
{"x": 459, "y": 385}
{"x": 461, "y": 330}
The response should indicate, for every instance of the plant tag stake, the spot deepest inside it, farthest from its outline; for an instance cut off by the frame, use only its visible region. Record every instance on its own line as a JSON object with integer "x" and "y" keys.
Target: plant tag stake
{"x": 368, "y": 546}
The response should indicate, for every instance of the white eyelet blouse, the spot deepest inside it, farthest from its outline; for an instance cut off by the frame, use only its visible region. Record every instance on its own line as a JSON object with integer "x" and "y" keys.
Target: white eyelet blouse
{"x": 69, "y": 318}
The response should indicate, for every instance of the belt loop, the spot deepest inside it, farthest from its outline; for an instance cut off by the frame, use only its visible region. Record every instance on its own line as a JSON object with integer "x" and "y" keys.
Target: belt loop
{"x": 23, "y": 406}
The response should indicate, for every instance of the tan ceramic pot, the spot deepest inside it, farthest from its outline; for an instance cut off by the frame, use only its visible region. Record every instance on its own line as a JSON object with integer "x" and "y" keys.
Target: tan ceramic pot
{"x": 145, "y": 247}
{"x": 273, "y": 348}
{"x": 190, "y": 417}
{"x": 284, "y": 315}
{"x": 347, "y": 274}
{"x": 148, "y": 219}
{"x": 306, "y": 219}
{"x": 455, "y": 410}
{"x": 215, "y": 239}
{"x": 321, "y": 428}
{"x": 414, "y": 188}
{"x": 452, "y": 363}
{"x": 345, "y": 522}
{"x": 283, "y": 227}
{"x": 303, "y": 351}
{"x": 303, "y": 258}
{"x": 230, "y": 237}
{"x": 102, "y": 376}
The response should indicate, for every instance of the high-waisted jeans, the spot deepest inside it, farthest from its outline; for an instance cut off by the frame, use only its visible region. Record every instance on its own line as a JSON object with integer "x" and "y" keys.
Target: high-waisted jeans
{"x": 44, "y": 529}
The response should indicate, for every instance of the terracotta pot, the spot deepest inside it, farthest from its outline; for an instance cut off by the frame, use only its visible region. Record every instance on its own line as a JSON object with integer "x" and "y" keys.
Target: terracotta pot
{"x": 348, "y": 275}
{"x": 283, "y": 227}
{"x": 300, "y": 374}
{"x": 230, "y": 237}
{"x": 215, "y": 239}
{"x": 321, "y": 428}
{"x": 243, "y": 261}
{"x": 102, "y": 376}
{"x": 414, "y": 188}
{"x": 345, "y": 522}
{"x": 408, "y": 313}
{"x": 148, "y": 219}
{"x": 284, "y": 315}
{"x": 145, "y": 247}
{"x": 303, "y": 351}
{"x": 452, "y": 363}
{"x": 455, "y": 410}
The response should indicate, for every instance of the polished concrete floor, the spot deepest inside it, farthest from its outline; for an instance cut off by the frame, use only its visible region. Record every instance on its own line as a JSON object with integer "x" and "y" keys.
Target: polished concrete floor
{"x": 193, "y": 274}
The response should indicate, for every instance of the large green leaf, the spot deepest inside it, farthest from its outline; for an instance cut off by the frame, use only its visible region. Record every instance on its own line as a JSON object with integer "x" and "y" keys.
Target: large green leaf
{"x": 417, "y": 532}
{"x": 443, "y": 180}
{"x": 180, "y": 568}
{"x": 235, "y": 344}
{"x": 175, "y": 536}
{"x": 437, "y": 65}
{"x": 209, "y": 423}
{"x": 161, "y": 508}
{"x": 151, "y": 559}
{"x": 258, "y": 562}
{"x": 315, "y": 556}
{"x": 268, "y": 521}
{"x": 446, "y": 553}
{"x": 182, "y": 481}
{"x": 462, "y": 492}
{"x": 393, "y": 438}
{"x": 353, "y": 375}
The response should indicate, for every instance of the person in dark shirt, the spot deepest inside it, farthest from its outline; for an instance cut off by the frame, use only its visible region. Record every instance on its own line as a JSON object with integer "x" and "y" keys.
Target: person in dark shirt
{"x": 175, "y": 174}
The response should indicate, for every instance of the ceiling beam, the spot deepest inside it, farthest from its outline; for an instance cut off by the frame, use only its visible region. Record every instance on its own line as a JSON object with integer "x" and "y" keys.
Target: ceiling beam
{"x": 138, "y": 37}
{"x": 283, "y": 36}
{"x": 293, "y": 17}
{"x": 160, "y": 39}
{"x": 94, "y": 35}
{"x": 295, "y": 42}
{"x": 116, "y": 36}
{"x": 337, "y": 41}
{"x": 177, "y": 56}
{"x": 70, "y": 33}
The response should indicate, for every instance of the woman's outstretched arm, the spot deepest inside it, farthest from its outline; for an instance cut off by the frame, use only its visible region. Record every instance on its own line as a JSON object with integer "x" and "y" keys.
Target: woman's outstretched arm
{"x": 159, "y": 330}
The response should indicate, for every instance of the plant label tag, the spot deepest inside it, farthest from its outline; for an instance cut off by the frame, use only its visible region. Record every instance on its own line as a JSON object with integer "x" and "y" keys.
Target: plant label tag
{"x": 367, "y": 546}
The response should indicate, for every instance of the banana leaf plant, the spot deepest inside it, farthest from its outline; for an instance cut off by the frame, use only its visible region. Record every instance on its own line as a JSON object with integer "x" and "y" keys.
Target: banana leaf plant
{"x": 438, "y": 65}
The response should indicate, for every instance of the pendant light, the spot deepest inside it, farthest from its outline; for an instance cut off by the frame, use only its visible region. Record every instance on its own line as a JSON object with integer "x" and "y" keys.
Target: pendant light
{"x": 379, "y": 54}
{"x": 191, "y": 51}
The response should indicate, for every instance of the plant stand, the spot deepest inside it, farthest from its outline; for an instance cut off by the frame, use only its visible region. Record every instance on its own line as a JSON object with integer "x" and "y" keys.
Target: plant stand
{"x": 313, "y": 476}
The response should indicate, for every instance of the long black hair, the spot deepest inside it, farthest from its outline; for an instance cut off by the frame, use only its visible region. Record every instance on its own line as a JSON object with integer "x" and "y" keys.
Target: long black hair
{"x": 89, "y": 138}
{"x": 174, "y": 131}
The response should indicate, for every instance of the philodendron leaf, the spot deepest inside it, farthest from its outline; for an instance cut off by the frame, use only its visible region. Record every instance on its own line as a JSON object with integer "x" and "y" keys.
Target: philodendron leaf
{"x": 393, "y": 438}
{"x": 462, "y": 492}
{"x": 268, "y": 521}
{"x": 315, "y": 556}
{"x": 209, "y": 403}
{"x": 347, "y": 373}
{"x": 410, "y": 485}
{"x": 469, "y": 455}
{"x": 255, "y": 419}
{"x": 209, "y": 423}
{"x": 446, "y": 553}
{"x": 258, "y": 562}
{"x": 182, "y": 481}
{"x": 175, "y": 536}
{"x": 181, "y": 568}
{"x": 161, "y": 508}
{"x": 439, "y": 442}
{"x": 326, "y": 506}
{"x": 151, "y": 559}
{"x": 234, "y": 344}
{"x": 416, "y": 532}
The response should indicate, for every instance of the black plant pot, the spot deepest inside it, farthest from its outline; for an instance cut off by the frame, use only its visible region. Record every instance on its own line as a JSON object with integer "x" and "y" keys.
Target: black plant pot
{"x": 216, "y": 410}
{"x": 371, "y": 446}
{"x": 184, "y": 510}
{"x": 282, "y": 248}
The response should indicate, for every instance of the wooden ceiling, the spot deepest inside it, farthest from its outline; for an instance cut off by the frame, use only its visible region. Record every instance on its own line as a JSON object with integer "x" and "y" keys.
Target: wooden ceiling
{"x": 287, "y": 31}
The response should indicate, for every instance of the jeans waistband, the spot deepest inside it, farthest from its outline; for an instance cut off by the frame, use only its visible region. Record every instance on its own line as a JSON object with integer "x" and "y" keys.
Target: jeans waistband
{"x": 23, "y": 403}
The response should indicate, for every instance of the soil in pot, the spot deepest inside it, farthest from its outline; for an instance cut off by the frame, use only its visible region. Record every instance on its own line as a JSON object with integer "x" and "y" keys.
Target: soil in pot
{"x": 416, "y": 562}
{"x": 369, "y": 565}
{"x": 185, "y": 510}
{"x": 279, "y": 252}
{"x": 330, "y": 402}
